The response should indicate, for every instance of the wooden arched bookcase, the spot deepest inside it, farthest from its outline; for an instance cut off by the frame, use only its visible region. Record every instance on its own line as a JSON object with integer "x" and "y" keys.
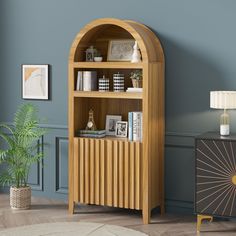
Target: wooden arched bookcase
{"x": 112, "y": 171}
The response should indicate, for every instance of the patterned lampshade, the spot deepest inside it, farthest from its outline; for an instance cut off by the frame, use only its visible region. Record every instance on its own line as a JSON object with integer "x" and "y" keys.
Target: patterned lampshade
{"x": 223, "y": 99}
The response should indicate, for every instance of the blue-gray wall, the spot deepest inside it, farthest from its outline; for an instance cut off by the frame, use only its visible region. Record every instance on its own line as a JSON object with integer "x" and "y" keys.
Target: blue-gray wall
{"x": 199, "y": 41}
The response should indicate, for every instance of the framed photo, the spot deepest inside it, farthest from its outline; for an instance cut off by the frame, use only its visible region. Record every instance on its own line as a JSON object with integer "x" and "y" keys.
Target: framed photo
{"x": 121, "y": 129}
{"x": 111, "y": 124}
{"x": 120, "y": 50}
{"x": 35, "y": 82}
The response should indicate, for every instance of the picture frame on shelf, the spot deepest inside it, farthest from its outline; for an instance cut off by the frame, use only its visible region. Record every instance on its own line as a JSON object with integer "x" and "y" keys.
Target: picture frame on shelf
{"x": 111, "y": 121}
{"x": 120, "y": 50}
{"x": 121, "y": 129}
{"x": 35, "y": 81}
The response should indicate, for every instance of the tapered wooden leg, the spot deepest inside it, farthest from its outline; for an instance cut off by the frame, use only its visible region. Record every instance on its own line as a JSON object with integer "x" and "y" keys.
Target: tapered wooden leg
{"x": 162, "y": 208}
{"x": 146, "y": 216}
{"x": 200, "y": 218}
{"x": 71, "y": 207}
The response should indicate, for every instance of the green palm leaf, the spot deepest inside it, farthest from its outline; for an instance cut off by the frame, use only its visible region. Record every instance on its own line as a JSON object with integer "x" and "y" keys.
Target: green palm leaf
{"x": 23, "y": 146}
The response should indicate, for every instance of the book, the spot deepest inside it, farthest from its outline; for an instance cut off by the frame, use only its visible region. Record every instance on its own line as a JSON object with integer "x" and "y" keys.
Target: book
{"x": 85, "y": 131}
{"x": 79, "y": 83}
{"x": 92, "y": 135}
{"x": 130, "y": 120}
{"x": 137, "y": 126}
{"x": 89, "y": 80}
{"x": 134, "y": 90}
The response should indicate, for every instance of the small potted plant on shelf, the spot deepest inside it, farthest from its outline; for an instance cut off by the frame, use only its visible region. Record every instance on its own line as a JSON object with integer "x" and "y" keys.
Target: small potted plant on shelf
{"x": 137, "y": 78}
{"x": 97, "y": 56}
{"x": 22, "y": 151}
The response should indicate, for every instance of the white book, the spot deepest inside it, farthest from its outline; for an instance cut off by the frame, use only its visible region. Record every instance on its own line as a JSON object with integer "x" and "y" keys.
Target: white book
{"x": 134, "y": 90}
{"x": 130, "y": 120}
{"x": 137, "y": 126}
{"x": 89, "y": 80}
{"x": 79, "y": 84}
{"x": 141, "y": 127}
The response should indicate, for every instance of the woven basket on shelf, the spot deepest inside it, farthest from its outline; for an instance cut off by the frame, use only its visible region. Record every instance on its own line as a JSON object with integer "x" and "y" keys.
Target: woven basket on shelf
{"x": 20, "y": 198}
{"x": 137, "y": 83}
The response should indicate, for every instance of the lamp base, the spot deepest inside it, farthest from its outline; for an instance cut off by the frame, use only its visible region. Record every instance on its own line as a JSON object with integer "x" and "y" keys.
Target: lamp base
{"x": 224, "y": 130}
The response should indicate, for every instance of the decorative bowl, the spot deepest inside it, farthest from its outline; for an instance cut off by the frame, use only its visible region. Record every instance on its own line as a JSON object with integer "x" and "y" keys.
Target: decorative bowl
{"x": 98, "y": 59}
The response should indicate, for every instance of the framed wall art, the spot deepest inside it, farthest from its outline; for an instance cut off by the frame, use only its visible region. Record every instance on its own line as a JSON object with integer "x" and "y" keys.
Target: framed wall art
{"x": 120, "y": 50}
{"x": 35, "y": 82}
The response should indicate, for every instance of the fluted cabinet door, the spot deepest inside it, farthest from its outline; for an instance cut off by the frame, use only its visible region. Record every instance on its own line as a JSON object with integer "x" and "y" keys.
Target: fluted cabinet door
{"x": 108, "y": 172}
{"x": 215, "y": 177}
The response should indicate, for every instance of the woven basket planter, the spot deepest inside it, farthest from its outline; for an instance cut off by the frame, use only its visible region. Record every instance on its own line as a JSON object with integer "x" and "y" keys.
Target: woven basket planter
{"x": 20, "y": 198}
{"x": 137, "y": 83}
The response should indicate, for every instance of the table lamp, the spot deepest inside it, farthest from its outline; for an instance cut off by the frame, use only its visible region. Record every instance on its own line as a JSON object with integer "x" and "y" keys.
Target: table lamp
{"x": 223, "y": 100}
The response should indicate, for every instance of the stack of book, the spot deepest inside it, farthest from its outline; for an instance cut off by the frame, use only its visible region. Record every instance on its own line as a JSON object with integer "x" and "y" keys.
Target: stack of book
{"x": 135, "y": 120}
{"x": 86, "y": 81}
{"x": 92, "y": 133}
{"x": 134, "y": 90}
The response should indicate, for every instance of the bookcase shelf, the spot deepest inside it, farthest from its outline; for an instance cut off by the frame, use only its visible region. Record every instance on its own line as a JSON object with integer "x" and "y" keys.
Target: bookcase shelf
{"x": 107, "y": 65}
{"x": 117, "y": 95}
{"x": 115, "y": 171}
{"x": 111, "y": 138}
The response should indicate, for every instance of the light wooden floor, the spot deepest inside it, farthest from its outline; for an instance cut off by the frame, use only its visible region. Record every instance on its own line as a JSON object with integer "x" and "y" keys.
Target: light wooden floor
{"x": 44, "y": 210}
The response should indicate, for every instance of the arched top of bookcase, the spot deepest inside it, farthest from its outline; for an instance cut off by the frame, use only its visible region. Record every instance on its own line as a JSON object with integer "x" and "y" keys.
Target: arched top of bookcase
{"x": 100, "y": 31}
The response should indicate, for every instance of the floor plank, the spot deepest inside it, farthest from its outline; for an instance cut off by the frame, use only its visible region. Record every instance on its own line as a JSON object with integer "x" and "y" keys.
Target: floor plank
{"x": 46, "y": 210}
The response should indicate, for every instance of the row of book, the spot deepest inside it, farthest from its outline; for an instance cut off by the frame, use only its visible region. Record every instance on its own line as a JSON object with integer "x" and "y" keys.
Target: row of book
{"x": 86, "y": 81}
{"x": 135, "y": 126}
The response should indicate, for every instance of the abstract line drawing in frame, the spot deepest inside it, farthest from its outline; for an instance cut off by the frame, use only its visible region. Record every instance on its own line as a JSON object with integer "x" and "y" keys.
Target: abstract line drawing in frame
{"x": 120, "y": 50}
{"x": 35, "y": 82}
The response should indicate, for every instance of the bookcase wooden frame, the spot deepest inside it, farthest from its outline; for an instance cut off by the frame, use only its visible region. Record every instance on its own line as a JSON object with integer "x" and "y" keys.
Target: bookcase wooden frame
{"x": 112, "y": 171}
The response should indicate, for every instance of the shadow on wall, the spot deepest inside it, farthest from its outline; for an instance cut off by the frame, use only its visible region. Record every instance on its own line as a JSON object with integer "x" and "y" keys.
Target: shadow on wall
{"x": 190, "y": 76}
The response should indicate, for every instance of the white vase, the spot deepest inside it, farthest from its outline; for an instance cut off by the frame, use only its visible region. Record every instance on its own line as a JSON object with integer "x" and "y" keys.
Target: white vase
{"x": 136, "y": 56}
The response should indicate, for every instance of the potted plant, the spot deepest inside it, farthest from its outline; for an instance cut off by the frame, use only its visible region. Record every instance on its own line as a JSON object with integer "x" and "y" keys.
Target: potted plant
{"x": 97, "y": 56}
{"x": 137, "y": 78}
{"x": 22, "y": 151}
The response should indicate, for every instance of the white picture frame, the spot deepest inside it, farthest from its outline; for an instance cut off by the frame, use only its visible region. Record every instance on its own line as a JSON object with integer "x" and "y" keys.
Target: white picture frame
{"x": 121, "y": 129}
{"x": 120, "y": 50}
{"x": 35, "y": 82}
{"x": 111, "y": 124}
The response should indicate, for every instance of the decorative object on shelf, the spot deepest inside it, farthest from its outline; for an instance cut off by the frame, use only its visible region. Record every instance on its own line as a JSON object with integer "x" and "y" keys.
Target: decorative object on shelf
{"x": 90, "y": 53}
{"x": 92, "y": 133}
{"x": 111, "y": 124}
{"x": 215, "y": 180}
{"x": 120, "y": 50}
{"x": 89, "y": 80}
{"x": 91, "y": 123}
{"x": 137, "y": 78}
{"x": 121, "y": 129}
{"x": 79, "y": 83}
{"x": 97, "y": 57}
{"x": 118, "y": 82}
{"x": 35, "y": 82}
{"x": 103, "y": 84}
{"x": 134, "y": 90}
{"x": 136, "y": 56}
{"x": 223, "y": 100}
{"x": 23, "y": 150}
